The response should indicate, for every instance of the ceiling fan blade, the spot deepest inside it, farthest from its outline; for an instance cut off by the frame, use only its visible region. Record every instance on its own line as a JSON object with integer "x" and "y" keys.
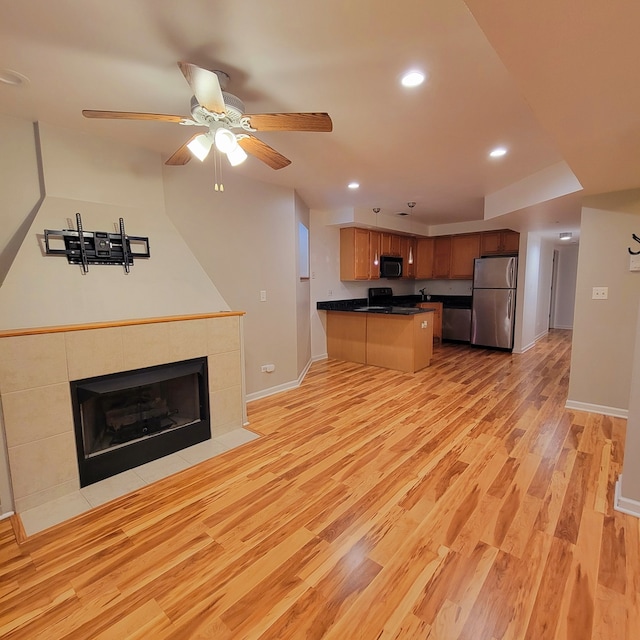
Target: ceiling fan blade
{"x": 263, "y": 152}
{"x": 291, "y": 122}
{"x": 132, "y": 115}
{"x": 182, "y": 155}
{"x": 205, "y": 86}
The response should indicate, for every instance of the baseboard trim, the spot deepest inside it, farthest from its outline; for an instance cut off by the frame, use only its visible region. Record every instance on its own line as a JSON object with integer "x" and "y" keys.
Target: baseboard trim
{"x": 615, "y": 412}
{"x": 286, "y": 386}
{"x": 625, "y": 505}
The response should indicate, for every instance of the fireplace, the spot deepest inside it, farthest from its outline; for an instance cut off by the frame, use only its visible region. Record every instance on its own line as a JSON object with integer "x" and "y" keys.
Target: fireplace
{"x": 126, "y": 419}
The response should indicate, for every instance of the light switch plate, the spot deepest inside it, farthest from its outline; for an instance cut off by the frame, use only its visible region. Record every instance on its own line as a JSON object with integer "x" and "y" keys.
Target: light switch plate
{"x": 634, "y": 263}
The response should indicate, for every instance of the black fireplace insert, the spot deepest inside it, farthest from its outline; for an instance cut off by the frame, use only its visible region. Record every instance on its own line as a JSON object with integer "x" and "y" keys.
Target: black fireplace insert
{"x": 126, "y": 419}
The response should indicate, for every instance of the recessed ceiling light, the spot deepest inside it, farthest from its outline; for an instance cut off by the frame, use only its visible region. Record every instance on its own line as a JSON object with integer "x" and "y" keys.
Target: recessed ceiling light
{"x": 566, "y": 235}
{"x": 9, "y": 76}
{"x": 412, "y": 78}
{"x": 353, "y": 185}
{"x": 498, "y": 152}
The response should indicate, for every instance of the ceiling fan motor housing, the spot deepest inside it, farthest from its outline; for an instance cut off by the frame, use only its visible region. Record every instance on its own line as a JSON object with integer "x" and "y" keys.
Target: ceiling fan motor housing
{"x": 234, "y": 110}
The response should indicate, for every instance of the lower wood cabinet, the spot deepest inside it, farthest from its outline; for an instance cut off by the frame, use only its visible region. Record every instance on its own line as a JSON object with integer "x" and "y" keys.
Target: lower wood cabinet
{"x": 400, "y": 342}
{"x": 437, "y": 318}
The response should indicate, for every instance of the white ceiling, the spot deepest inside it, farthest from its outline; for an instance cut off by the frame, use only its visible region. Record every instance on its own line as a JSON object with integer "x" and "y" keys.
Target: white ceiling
{"x": 555, "y": 83}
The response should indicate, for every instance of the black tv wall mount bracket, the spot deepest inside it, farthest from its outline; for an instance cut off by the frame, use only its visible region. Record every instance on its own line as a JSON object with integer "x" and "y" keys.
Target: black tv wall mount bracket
{"x": 97, "y": 247}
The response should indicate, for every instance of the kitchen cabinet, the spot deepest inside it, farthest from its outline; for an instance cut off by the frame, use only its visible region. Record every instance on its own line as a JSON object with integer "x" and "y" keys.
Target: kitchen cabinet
{"x": 347, "y": 336}
{"x": 464, "y": 249}
{"x": 424, "y": 259}
{"x": 408, "y": 253}
{"x": 502, "y": 242}
{"x": 390, "y": 244}
{"x": 441, "y": 257}
{"x": 355, "y": 263}
{"x": 400, "y": 342}
{"x": 437, "y": 318}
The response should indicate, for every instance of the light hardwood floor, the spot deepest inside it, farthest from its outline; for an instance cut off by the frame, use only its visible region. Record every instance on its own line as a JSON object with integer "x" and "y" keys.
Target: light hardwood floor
{"x": 460, "y": 502}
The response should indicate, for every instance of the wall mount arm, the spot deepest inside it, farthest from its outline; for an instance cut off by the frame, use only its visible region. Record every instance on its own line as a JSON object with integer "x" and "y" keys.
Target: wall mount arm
{"x": 96, "y": 247}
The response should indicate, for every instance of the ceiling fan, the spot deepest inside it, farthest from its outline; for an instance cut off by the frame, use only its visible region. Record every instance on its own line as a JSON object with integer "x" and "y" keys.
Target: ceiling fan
{"x": 222, "y": 113}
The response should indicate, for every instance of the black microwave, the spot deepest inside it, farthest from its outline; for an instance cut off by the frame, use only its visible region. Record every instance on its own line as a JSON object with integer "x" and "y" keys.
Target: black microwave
{"x": 390, "y": 266}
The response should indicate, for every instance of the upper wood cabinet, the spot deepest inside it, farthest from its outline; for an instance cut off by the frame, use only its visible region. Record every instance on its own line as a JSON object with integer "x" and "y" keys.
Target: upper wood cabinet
{"x": 408, "y": 253}
{"x": 499, "y": 242}
{"x": 354, "y": 254}
{"x": 424, "y": 259}
{"x": 441, "y": 256}
{"x": 390, "y": 244}
{"x": 464, "y": 249}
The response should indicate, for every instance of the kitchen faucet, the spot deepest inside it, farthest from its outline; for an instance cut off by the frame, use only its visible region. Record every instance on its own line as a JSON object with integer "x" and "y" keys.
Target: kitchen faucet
{"x": 422, "y": 291}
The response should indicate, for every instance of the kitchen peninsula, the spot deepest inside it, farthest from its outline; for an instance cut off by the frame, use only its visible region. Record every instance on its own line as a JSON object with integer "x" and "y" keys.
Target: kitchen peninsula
{"x": 399, "y": 338}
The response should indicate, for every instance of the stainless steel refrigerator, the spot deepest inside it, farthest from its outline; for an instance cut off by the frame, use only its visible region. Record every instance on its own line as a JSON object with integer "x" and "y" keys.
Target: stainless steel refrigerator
{"x": 494, "y": 301}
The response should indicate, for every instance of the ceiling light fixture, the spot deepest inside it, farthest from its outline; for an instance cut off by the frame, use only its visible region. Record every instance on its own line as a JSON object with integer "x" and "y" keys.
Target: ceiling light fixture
{"x": 200, "y": 146}
{"x": 566, "y": 235}
{"x": 411, "y": 205}
{"x": 354, "y": 185}
{"x": 376, "y": 210}
{"x": 412, "y": 78}
{"x": 224, "y": 140}
{"x": 13, "y": 78}
{"x": 498, "y": 152}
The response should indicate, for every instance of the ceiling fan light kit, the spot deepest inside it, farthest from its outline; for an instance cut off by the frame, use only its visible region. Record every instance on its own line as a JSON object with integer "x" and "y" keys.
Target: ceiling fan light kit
{"x": 200, "y": 146}
{"x": 222, "y": 112}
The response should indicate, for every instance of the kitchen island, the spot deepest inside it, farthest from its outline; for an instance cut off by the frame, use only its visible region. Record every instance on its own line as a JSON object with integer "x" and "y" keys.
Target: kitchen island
{"x": 397, "y": 338}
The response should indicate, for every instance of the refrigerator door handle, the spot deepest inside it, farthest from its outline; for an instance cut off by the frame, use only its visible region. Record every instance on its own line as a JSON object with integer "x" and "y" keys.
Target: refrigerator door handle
{"x": 510, "y": 305}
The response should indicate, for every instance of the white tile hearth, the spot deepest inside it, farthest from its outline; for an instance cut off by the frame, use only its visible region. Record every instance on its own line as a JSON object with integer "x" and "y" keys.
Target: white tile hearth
{"x": 47, "y": 515}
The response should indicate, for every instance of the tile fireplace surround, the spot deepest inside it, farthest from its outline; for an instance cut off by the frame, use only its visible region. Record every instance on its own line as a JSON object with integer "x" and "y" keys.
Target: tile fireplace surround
{"x": 36, "y": 366}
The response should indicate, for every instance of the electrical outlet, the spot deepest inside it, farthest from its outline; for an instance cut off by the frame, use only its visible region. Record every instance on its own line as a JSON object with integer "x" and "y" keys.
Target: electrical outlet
{"x": 263, "y": 296}
{"x": 268, "y": 368}
{"x": 600, "y": 293}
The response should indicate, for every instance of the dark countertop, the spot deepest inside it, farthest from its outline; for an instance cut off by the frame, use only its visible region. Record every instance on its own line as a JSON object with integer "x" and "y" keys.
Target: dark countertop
{"x": 361, "y": 306}
{"x": 404, "y": 305}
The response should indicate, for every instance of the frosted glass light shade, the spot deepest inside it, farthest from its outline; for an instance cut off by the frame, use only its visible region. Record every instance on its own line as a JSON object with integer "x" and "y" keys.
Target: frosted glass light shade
{"x": 236, "y": 156}
{"x": 225, "y": 140}
{"x": 200, "y": 146}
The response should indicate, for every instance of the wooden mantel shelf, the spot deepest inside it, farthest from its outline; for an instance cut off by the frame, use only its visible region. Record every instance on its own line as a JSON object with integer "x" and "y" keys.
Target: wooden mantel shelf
{"x": 8, "y": 333}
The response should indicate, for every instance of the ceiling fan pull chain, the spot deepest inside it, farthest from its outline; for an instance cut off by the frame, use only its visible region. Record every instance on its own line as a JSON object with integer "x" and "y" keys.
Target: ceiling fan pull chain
{"x": 220, "y": 163}
{"x": 215, "y": 168}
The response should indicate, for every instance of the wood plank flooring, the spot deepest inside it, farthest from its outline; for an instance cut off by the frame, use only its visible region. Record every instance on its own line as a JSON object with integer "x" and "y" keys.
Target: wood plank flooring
{"x": 461, "y": 502}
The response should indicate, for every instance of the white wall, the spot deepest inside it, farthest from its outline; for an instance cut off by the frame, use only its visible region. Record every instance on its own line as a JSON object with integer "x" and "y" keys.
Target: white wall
{"x": 103, "y": 181}
{"x": 565, "y": 291}
{"x": 630, "y": 479}
{"x": 527, "y": 297}
{"x": 20, "y": 192}
{"x": 245, "y": 239}
{"x": 303, "y": 292}
{"x": 604, "y": 330}
{"x": 545, "y": 275}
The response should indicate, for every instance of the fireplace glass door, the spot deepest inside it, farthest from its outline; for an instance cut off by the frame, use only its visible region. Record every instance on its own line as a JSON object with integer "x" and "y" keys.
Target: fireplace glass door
{"x": 129, "y": 418}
